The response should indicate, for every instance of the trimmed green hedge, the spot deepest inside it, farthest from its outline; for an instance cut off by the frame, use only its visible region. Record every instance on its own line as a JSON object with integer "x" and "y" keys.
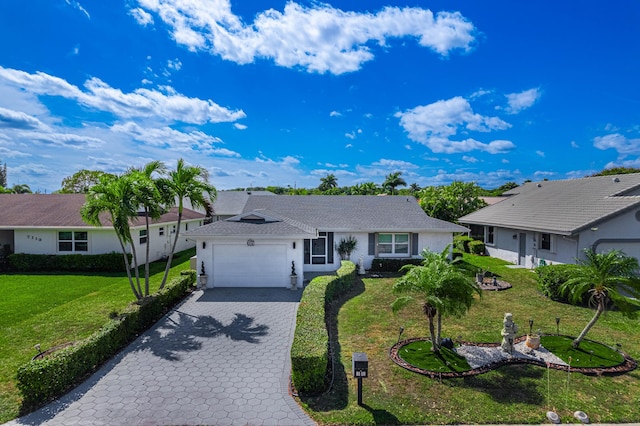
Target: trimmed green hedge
{"x": 109, "y": 262}
{"x": 476, "y": 247}
{"x": 465, "y": 244}
{"x": 392, "y": 265}
{"x": 310, "y": 348}
{"x": 47, "y": 378}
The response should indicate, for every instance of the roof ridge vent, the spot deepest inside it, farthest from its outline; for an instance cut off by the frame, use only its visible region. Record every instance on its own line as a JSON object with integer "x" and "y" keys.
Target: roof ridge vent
{"x": 616, "y": 179}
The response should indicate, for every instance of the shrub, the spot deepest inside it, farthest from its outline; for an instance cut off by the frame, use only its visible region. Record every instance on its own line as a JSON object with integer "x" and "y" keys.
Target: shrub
{"x": 109, "y": 262}
{"x": 392, "y": 265}
{"x": 476, "y": 247}
{"x": 310, "y": 348}
{"x": 44, "y": 379}
{"x": 551, "y": 277}
{"x": 461, "y": 243}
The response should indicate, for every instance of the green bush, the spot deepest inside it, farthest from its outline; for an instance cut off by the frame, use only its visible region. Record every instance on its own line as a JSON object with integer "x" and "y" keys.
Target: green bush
{"x": 47, "y": 378}
{"x": 476, "y": 247}
{"x": 392, "y": 265}
{"x": 551, "y": 277}
{"x": 109, "y": 262}
{"x": 310, "y": 348}
{"x": 461, "y": 243}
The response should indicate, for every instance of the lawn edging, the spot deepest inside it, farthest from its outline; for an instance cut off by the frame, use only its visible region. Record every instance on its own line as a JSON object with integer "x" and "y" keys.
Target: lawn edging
{"x": 44, "y": 379}
{"x": 310, "y": 348}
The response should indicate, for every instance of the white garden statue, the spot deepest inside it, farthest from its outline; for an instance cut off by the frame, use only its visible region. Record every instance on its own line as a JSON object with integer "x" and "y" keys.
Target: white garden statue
{"x": 509, "y": 331}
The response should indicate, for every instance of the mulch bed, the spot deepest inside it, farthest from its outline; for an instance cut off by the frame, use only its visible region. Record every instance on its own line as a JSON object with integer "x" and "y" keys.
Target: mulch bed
{"x": 629, "y": 364}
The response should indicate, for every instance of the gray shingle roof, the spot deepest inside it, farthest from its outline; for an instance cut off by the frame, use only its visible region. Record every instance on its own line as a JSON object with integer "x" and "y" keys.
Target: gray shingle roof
{"x": 327, "y": 212}
{"x": 231, "y": 203}
{"x": 246, "y": 225}
{"x": 563, "y": 207}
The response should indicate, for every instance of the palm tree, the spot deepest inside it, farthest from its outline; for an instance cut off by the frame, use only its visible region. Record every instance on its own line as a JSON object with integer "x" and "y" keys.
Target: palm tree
{"x": 21, "y": 188}
{"x": 393, "y": 180}
{"x": 605, "y": 277}
{"x": 116, "y": 196}
{"x": 152, "y": 199}
{"x": 414, "y": 188}
{"x": 442, "y": 288}
{"x": 328, "y": 182}
{"x": 187, "y": 182}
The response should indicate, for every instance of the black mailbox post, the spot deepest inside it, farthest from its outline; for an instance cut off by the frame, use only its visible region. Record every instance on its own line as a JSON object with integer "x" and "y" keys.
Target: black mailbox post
{"x": 360, "y": 369}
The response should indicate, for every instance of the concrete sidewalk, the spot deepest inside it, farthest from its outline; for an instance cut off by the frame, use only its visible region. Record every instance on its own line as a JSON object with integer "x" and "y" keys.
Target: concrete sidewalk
{"x": 220, "y": 358}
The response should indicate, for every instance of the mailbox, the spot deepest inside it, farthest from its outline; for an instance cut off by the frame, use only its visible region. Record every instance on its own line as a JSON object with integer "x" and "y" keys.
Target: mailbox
{"x": 359, "y": 364}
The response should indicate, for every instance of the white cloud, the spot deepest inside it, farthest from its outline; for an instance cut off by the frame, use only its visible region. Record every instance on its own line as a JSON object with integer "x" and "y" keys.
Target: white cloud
{"x": 394, "y": 164}
{"x": 433, "y": 125}
{"x": 540, "y": 153}
{"x": 337, "y": 173}
{"x": 520, "y": 101}
{"x": 174, "y": 65}
{"x": 142, "y": 102}
{"x": 574, "y": 144}
{"x": 78, "y": 6}
{"x": 348, "y": 145}
{"x": 287, "y": 161}
{"x": 469, "y": 159}
{"x": 18, "y": 120}
{"x": 334, "y": 114}
{"x": 544, "y": 174}
{"x": 141, "y": 16}
{"x": 64, "y": 140}
{"x": 351, "y": 135}
{"x": 319, "y": 38}
{"x": 240, "y": 126}
{"x": 618, "y": 142}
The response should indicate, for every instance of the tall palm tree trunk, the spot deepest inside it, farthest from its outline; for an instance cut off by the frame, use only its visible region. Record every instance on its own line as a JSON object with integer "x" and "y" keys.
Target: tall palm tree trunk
{"x": 127, "y": 267}
{"x": 599, "y": 311}
{"x": 439, "y": 329}
{"x": 431, "y": 313}
{"x": 146, "y": 263}
{"x": 173, "y": 249}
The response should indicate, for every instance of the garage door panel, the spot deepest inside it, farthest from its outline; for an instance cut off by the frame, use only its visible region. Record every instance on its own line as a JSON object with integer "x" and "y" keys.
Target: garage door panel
{"x": 250, "y": 266}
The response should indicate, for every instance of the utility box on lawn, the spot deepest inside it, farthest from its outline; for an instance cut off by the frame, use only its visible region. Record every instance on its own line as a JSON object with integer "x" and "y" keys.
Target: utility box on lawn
{"x": 359, "y": 364}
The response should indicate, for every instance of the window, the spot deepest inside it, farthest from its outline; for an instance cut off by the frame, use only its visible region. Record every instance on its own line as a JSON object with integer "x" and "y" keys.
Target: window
{"x": 545, "y": 242}
{"x": 143, "y": 236}
{"x": 319, "y": 251}
{"x": 391, "y": 244}
{"x": 70, "y": 241}
{"x": 161, "y": 231}
{"x": 489, "y": 235}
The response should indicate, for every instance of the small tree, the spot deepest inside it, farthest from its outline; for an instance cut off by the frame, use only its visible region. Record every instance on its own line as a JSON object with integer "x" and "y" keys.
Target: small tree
{"x": 609, "y": 277}
{"x": 328, "y": 182}
{"x": 392, "y": 181}
{"x": 346, "y": 246}
{"x": 442, "y": 288}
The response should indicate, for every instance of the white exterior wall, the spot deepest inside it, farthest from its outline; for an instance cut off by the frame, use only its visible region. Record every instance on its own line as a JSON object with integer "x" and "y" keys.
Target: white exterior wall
{"x": 621, "y": 233}
{"x": 100, "y": 241}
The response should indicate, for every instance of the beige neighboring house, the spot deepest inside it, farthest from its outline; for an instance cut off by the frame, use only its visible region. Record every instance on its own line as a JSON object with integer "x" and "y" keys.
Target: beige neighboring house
{"x": 264, "y": 237}
{"x": 554, "y": 221}
{"x": 51, "y": 224}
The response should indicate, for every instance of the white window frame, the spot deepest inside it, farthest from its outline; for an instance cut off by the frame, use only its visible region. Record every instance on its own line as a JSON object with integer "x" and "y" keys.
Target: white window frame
{"x": 77, "y": 243}
{"x": 143, "y": 236}
{"x": 399, "y": 246}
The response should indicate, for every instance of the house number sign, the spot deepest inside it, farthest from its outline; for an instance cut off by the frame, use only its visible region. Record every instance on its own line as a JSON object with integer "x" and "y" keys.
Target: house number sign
{"x": 250, "y": 242}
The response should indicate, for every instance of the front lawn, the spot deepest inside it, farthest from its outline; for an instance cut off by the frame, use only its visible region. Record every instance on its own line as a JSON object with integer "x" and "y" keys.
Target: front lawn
{"x": 510, "y": 394}
{"x": 52, "y": 309}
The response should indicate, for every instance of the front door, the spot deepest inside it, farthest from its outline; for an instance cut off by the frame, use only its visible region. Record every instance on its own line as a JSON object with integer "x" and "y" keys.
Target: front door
{"x": 522, "y": 249}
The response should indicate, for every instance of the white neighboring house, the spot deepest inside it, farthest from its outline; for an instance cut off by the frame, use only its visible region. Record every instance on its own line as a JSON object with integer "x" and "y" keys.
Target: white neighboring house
{"x": 555, "y": 221}
{"x": 51, "y": 224}
{"x": 271, "y": 234}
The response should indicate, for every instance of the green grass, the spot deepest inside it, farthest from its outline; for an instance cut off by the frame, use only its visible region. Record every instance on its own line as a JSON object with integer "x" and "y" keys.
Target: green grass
{"x": 588, "y": 354}
{"x": 419, "y": 354}
{"x": 364, "y": 322}
{"x": 52, "y": 309}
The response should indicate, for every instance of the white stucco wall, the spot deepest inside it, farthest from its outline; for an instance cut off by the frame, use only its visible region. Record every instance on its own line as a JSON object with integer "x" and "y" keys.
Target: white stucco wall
{"x": 101, "y": 241}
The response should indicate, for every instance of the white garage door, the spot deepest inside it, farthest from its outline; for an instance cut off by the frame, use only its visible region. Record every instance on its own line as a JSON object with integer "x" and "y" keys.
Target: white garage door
{"x": 250, "y": 266}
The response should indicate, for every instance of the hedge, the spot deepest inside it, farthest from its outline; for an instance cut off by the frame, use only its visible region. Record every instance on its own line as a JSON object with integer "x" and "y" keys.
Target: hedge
{"x": 392, "y": 265}
{"x": 310, "y": 348}
{"x": 109, "y": 262}
{"x": 47, "y": 378}
{"x": 551, "y": 277}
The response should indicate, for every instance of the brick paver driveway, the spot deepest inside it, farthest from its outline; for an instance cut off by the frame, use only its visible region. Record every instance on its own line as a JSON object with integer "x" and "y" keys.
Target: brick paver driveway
{"x": 220, "y": 358}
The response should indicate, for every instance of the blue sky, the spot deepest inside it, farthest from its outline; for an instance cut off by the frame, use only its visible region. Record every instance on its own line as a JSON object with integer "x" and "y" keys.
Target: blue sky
{"x": 283, "y": 93}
